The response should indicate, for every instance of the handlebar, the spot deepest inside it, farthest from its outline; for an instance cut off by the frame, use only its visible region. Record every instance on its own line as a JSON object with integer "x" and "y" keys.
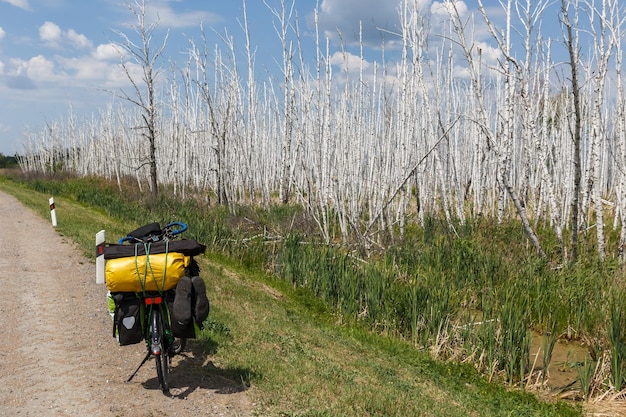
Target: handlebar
{"x": 168, "y": 232}
{"x": 125, "y": 239}
{"x": 182, "y": 228}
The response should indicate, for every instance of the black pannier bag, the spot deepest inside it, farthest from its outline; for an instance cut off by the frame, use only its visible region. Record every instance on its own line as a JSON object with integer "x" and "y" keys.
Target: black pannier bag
{"x": 182, "y": 329}
{"x": 128, "y": 318}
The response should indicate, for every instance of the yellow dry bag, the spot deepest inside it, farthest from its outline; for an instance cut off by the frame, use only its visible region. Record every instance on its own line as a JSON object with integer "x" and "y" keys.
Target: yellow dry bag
{"x": 158, "y": 272}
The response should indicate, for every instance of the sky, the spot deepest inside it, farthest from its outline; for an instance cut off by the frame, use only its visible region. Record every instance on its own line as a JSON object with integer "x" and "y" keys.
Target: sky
{"x": 58, "y": 54}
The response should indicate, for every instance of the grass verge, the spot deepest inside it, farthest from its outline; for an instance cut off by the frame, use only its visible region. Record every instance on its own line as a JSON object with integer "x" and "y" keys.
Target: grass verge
{"x": 296, "y": 360}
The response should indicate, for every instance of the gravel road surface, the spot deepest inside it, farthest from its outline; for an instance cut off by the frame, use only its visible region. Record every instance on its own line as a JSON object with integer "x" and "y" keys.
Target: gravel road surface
{"x": 57, "y": 355}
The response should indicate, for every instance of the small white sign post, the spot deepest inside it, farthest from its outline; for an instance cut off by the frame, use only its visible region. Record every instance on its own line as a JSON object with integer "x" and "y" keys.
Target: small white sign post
{"x": 100, "y": 263}
{"x": 53, "y": 212}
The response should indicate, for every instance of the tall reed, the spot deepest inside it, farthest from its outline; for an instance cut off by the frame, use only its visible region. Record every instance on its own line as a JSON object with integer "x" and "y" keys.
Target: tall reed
{"x": 548, "y": 342}
{"x": 616, "y": 341}
{"x": 515, "y": 346}
{"x": 586, "y": 371}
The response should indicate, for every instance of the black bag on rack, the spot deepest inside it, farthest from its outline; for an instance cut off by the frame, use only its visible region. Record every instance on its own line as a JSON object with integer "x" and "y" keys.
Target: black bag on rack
{"x": 188, "y": 247}
{"x": 128, "y": 320}
{"x": 184, "y": 329}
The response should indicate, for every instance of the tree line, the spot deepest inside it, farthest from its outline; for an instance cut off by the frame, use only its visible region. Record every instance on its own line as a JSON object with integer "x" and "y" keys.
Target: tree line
{"x": 7, "y": 161}
{"x": 441, "y": 130}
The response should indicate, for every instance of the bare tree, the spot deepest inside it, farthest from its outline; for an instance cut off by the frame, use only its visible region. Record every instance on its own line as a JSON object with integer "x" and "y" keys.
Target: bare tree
{"x": 499, "y": 144}
{"x": 219, "y": 107}
{"x": 572, "y": 47}
{"x": 284, "y": 16}
{"x": 621, "y": 136}
{"x": 144, "y": 96}
{"x": 604, "y": 44}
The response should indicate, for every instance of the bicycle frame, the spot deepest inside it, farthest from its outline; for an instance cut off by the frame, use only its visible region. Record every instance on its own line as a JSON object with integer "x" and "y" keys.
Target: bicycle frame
{"x": 159, "y": 339}
{"x": 156, "y": 330}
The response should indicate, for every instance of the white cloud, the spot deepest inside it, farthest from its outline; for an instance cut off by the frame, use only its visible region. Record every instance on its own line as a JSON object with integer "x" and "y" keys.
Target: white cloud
{"x": 117, "y": 78}
{"x": 22, "y": 4}
{"x": 98, "y": 68}
{"x": 107, "y": 52}
{"x": 442, "y": 12}
{"x": 40, "y": 69}
{"x": 490, "y": 54}
{"x": 350, "y": 69}
{"x": 87, "y": 68}
{"x": 78, "y": 40}
{"x": 475, "y": 27}
{"x": 15, "y": 76}
{"x": 16, "y": 66}
{"x": 50, "y": 33}
{"x": 354, "y": 18}
{"x": 444, "y": 9}
{"x": 162, "y": 11}
{"x": 2, "y": 33}
{"x": 349, "y": 62}
{"x": 81, "y": 68}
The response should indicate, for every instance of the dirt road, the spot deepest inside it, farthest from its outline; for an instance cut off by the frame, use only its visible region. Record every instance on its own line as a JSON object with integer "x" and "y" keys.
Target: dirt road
{"x": 57, "y": 356}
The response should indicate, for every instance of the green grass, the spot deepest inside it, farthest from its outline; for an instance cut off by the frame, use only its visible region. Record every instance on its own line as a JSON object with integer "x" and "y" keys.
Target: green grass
{"x": 298, "y": 355}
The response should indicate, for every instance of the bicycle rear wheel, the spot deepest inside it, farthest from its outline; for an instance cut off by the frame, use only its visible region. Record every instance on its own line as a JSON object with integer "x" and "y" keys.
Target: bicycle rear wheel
{"x": 163, "y": 371}
{"x": 161, "y": 357}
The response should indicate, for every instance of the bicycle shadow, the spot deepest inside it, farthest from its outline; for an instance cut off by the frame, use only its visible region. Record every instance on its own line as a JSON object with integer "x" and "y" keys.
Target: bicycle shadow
{"x": 194, "y": 370}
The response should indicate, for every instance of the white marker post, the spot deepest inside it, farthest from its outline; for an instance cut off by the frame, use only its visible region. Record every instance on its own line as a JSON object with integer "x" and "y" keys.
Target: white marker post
{"x": 100, "y": 262}
{"x": 53, "y": 212}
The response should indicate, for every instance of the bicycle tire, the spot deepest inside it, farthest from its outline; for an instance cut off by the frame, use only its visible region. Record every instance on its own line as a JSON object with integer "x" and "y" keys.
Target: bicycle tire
{"x": 161, "y": 359}
{"x": 162, "y": 371}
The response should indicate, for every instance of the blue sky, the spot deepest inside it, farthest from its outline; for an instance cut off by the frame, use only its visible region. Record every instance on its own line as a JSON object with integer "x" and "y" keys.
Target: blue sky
{"x": 56, "y": 53}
